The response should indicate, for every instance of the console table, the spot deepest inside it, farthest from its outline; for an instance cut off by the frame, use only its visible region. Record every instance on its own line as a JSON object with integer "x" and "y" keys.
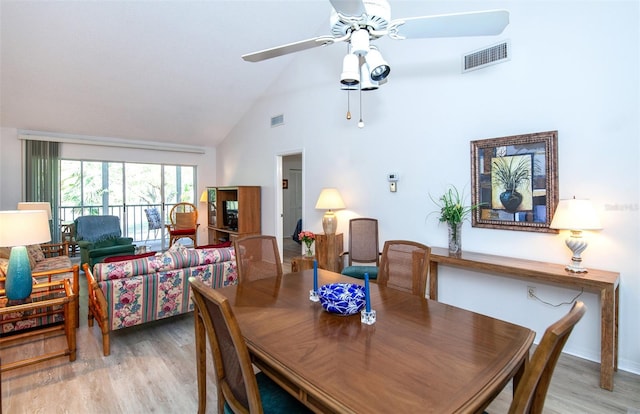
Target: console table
{"x": 599, "y": 281}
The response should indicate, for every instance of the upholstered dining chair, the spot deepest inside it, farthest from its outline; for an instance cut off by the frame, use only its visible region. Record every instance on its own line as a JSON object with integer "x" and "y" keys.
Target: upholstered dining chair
{"x": 405, "y": 265}
{"x": 184, "y": 223}
{"x": 364, "y": 250}
{"x": 257, "y": 257}
{"x": 239, "y": 389}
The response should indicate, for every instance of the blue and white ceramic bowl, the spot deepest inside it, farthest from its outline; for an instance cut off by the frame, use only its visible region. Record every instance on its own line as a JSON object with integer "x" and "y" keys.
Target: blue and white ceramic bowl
{"x": 342, "y": 298}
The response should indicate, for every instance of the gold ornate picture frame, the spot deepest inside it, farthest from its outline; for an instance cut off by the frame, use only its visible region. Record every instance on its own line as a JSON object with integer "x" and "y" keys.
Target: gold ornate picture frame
{"x": 514, "y": 180}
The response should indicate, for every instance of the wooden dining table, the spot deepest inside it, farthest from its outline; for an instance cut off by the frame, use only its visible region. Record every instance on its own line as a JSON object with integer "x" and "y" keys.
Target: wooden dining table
{"x": 420, "y": 355}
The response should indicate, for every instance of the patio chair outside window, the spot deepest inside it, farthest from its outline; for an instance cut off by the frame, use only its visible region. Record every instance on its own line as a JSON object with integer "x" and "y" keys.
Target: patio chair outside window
{"x": 154, "y": 222}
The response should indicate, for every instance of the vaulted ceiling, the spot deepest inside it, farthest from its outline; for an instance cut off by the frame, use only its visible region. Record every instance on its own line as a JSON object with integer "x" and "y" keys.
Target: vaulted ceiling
{"x": 165, "y": 71}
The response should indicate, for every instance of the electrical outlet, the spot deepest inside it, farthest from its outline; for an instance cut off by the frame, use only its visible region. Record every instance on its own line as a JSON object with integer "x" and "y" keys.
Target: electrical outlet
{"x": 531, "y": 292}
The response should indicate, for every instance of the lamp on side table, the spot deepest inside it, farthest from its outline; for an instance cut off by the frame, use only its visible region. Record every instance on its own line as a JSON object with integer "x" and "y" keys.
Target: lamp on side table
{"x": 576, "y": 215}
{"x": 329, "y": 200}
{"x": 19, "y": 228}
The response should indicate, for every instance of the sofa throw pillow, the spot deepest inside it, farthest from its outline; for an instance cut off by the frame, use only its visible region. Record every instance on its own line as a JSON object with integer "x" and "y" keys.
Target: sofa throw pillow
{"x": 174, "y": 258}
{"x": 5, "y": 253}
{"x": 4, "y": 263}
{"x": 178, "y": 249}
{"x": 36, "y": 252}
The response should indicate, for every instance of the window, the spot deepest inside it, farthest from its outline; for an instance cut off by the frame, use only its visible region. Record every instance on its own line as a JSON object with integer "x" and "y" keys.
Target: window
{"x": 124, "y": 190}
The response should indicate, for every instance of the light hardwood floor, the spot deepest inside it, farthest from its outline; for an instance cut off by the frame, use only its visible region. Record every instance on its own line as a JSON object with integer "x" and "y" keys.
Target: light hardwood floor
{"x": 152, "y": 369}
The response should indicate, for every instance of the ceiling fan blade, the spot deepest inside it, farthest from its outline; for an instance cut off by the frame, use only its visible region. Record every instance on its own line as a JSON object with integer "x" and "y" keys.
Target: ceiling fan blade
{"x": 349, "y": 7}
{"x": 289, "y": 48}
{"x": 482, "y": 23}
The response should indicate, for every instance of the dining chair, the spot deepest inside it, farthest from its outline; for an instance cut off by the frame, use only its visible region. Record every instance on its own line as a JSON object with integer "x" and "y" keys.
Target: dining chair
{"x": 405, "y": 265}
{"x": 531, "y": 391}
{"x": 184, "y": 223}
{"x": 239, "y": 389}
{"x": 364, "y": 249}
{"x": 257, "y": 257}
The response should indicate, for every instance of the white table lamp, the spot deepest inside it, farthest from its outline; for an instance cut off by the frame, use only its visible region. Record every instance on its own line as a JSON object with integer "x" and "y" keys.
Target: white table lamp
{"x": 36, "y": 205}
{"x": 576, "y": 215}
{"x": 329, "y": 200}
{"x": 19, "y": 228}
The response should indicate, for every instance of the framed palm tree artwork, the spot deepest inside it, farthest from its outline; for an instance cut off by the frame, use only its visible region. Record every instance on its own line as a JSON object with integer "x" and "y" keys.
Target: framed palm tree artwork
{"x": 514, "y": 181}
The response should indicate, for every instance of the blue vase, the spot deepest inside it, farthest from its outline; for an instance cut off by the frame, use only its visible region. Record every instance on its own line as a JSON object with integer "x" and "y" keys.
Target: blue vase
{"x": 19, "y": 282}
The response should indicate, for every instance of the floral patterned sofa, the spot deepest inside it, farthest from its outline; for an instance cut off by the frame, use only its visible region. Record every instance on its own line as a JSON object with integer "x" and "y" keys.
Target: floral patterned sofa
{"x": 132, "y": 292}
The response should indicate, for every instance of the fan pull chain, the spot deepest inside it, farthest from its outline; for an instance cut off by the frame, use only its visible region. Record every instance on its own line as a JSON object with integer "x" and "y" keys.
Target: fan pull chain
{"x": 348, "y": 104}
{"x": 360, "y": 122}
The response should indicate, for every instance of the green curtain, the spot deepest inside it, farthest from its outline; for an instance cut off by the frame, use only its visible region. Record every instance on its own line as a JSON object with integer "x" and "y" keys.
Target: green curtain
{"x": 42, "y": 178}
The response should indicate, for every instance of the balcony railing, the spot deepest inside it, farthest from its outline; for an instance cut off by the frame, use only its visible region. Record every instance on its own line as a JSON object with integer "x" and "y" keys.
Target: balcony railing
{"x": 133, "y": 219}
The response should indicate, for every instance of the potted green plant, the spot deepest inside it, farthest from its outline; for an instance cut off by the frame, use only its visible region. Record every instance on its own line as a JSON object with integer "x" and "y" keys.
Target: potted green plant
{"x": 510, "y": 174}
{"x": 453, "y": 212}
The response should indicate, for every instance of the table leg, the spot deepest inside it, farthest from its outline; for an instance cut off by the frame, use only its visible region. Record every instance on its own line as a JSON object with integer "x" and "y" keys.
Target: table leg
{"x": 608, "y": 341}
{"x": 519, "y": 373}
{"x": 433, "y": 280}
{"x": 615, "y": 335}
{"x": 70, "y": 322}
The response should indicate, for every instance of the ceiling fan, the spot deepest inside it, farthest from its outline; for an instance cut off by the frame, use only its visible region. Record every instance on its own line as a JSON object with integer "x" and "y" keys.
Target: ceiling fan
{"x": 359, "y": 22}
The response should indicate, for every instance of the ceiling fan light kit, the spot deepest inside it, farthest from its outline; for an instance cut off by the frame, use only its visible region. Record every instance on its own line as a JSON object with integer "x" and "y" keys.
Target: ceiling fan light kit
{"x": 350, "y": 70}
{"x": 360, "y": 42}
{"x": 359, "y": 22}
{"x": 379, "y": 67}
{"x": 367, "y": 83}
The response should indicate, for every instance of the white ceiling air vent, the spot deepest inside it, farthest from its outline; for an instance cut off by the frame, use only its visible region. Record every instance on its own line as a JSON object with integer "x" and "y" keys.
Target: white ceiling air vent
{"x": 485, "y": 57}
{"x": 277, "y": 120}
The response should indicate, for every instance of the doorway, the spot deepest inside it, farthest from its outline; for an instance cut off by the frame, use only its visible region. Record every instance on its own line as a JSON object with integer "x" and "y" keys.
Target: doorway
{"x": 290, "y": 204}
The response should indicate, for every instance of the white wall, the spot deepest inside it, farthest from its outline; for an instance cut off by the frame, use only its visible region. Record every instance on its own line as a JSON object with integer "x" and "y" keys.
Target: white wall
{"x": 573, "y": 69}
{"x": 11, "y": 167}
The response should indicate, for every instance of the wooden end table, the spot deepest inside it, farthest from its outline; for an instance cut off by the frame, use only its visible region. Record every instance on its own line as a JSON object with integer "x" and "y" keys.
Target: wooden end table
{"x": 300, "y": 263}
{"x": 46, "y": 299}
{"x": 329, "y": 247}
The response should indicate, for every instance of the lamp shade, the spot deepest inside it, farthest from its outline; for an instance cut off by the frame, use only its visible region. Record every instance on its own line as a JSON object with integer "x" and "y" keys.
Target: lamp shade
{"x": 204, "y": 197}
{"x": 329, "y": 199}
{"x": 24, "y": 227}
{"x": 19, "y": 228}
{"x": 36, "y": 205}
{"x": 575, "y": 215}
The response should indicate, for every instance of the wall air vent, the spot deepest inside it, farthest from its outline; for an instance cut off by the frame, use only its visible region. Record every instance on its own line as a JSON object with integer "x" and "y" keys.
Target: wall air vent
{"x": 277, "y": 120}
{"x": 485, "y": 57}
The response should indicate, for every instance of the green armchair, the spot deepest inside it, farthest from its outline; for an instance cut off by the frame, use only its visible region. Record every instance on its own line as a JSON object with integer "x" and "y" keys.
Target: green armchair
{"x": 99, "y": 237}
